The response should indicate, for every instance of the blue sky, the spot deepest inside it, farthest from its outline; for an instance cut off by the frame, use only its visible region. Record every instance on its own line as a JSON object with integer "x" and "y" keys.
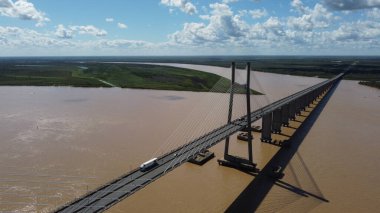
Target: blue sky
{"x": 189, "y": 27}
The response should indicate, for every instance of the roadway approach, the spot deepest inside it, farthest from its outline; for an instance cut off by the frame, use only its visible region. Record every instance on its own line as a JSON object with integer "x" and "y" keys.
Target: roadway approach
{"x": 120, "y": 188}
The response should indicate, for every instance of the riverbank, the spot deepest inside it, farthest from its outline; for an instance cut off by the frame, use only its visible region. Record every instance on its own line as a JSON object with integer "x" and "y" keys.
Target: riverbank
{"x": 375, "y": 84}
{"x": 92, "y": 74}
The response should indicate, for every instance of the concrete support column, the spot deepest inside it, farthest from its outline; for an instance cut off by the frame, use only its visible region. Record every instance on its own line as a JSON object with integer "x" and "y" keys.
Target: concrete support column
{"x": 298, "y": 106}
{"x": 309, "y": 99}
{"x": 312, "y": 98}
{"x": 292, "y": 110}
{"x": 277, "y": 121}
{"x": 315, "y": 92}
{"x": 266, "y": 128}
{"x": 320, "y": 92}
{"x": 304, "y": 102}
{"x": 285, "y": 115}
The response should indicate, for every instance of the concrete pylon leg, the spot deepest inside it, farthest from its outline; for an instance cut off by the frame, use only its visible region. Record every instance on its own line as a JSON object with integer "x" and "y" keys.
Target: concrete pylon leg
{"x": 277, "y": 121}
{"x": 285, "y": 115}
{"x": 266, "y": 128}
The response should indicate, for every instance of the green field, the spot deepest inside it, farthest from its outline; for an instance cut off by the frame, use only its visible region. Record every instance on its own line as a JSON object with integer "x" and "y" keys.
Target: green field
{"x": 107, "y": 75}
{"x": 65, "y": 71}
{"x": 375, "y": 84}
{"x": 361, "y": 68}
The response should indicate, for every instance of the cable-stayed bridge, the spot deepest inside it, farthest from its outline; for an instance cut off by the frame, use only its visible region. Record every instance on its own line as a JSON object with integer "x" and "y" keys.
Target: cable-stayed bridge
{"x": 273, "y": 116}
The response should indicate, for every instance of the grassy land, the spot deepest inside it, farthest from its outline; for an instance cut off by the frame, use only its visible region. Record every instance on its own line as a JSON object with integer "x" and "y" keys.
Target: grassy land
{"x": 367, "y": 69}
{"x": 121, "y": 75}
{"x": 50, "y": 75}
{"x": 375, "y": 84}
{"x": 363, "y": 68}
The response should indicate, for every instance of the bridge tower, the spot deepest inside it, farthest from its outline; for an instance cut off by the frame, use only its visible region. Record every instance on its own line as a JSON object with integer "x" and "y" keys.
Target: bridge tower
{"x": 231, "y": 160}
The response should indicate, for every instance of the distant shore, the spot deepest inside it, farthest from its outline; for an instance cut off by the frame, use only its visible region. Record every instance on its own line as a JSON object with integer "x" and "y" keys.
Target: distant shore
{"x": 77, "y": 71}
{"x": 97, "y": 74}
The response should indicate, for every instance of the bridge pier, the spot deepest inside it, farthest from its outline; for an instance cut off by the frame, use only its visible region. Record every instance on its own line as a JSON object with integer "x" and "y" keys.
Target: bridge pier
{"x": 304, "y": 102}
{"x": 298, "y": 106}
{"x": 277, "y": 121}
{"x": 266, "y": 128}
{"x": 292, "y": 110}
{"x": 309, "y": 99}
{"x": 314, "y": 97}
{"x": 285, "y": 114}
{"x": 236, "y": 161}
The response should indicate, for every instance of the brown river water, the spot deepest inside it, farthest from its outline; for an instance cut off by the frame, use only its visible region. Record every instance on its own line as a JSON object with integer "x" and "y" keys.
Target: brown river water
{"x": 56, "y": 143}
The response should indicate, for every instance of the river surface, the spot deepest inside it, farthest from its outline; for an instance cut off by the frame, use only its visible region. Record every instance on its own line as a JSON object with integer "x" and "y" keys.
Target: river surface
{"x": 56, "y": 143}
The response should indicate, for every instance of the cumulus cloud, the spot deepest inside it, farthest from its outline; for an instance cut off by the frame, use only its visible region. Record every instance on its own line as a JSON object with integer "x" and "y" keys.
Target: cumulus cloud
{"x": 22, "y": 9}
{"x": 310, "y": 18}
{"x": 184, "y": 5}
{"x": 89, "y": 29}
{"x": 374, "y": 13}
{"x": 351, "y": 4}
{"x": 256, "y": 14}
{"x": 223, "y": 25}
{"x": 122, "y": 25}
{"x": 16, "y": 37}
{"x": 63, "y": 32}
{"x": 357, "y": 31}
{"x": 70, "y": 31}
{"x": 298, "y": 5}
{"x": 310, "y": 29}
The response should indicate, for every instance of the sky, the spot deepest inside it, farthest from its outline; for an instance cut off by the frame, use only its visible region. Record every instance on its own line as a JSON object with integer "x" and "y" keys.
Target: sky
{"x": 189, "y": 27}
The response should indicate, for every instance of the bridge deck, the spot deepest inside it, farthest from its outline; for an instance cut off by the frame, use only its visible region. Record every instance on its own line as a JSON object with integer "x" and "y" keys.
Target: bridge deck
{"x": 113, "y": 192}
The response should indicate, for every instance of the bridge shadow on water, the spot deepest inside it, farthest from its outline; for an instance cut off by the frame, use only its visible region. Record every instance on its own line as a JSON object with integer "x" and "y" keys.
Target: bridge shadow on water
{"x": 254, "y": 194}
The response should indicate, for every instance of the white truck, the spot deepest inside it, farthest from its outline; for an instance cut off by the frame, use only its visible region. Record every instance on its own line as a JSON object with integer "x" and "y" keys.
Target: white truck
{"x": 148, "y": 165}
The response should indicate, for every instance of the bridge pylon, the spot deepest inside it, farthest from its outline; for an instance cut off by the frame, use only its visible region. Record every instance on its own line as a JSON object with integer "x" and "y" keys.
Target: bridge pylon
{"x": 229, "y": 160}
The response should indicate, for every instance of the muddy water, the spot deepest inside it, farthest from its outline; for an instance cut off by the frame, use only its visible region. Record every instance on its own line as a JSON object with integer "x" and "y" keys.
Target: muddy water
{"x": 57, "y": 143}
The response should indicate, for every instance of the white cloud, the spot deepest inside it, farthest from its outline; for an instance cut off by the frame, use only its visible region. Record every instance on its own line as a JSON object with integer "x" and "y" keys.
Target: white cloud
{"x": 63, "y": 32}
{"x": 298, "y": 5}
{"x": 374, "y": 13}
{"x": 22, "y": 9}
{"x": 110, "y": 20}
{"x": 70, "y": 31}
{"x": 223, "y": 25}
{"x": 16, "y": 37}
{"x": 229, "y": 1}
{"x": 30, "y": 42}
{"x": 122, "y": 26}
{"x": 357, "y": 31}
{"x": 123, "y": 43}
{"x": 221, "y": 30}
{"x": 184, "y": 5}
{"x": 89, "y": 29}
{"x": 351, "y": 4}
{"x": 256, "y": 14}
{"x": 318, "y": 17}
{"x": 311, "y": 30}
